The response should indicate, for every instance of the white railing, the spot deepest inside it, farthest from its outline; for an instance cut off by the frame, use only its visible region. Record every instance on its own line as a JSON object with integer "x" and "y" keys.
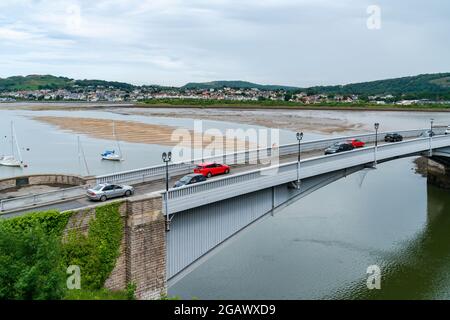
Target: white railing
{"x": 42, "y": 198}
{"x": 242, "y": 157}
{"x": 226, "y": 187}
{"x": 157, "y": 172}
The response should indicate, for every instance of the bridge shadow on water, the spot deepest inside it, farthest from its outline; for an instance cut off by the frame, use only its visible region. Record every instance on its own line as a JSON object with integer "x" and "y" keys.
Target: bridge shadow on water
{"x": 420, "y": 269}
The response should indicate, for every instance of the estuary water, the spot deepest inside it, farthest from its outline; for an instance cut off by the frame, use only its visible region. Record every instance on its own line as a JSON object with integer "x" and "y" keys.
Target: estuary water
{"x": 321, "y": 246}
{"x": 317, "y": 248}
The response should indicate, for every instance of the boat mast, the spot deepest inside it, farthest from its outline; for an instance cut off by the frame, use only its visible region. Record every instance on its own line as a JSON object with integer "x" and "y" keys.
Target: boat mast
{"x": 14, "y": 139}
{"x": 81, "y": 153}
{"x": 117, "y": 141}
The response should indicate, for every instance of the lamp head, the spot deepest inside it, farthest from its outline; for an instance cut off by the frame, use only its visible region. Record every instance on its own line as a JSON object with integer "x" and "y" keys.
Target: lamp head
{"x": 377, "y": 125}
{"x": 167, "y": 156}
{"x": 299, "y": 135}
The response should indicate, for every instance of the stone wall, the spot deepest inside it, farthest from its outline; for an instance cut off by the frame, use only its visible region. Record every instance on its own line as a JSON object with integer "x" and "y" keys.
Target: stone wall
{"x": 146, "y": 247}
{"x": 142, "y": 257}
{"x": 48, "y": 179}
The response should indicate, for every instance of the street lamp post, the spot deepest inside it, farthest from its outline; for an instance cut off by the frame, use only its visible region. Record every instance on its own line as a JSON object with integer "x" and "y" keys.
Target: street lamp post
{"x": 299, "y": 139}
{"x": 431, "y": 136}
{"x": 167, "y": 157}
{"x": 376, "y": 125}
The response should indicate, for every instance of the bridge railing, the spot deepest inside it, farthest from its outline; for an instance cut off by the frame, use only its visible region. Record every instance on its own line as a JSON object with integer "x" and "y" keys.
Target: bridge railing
{"x": 229, "y": 186}
{"x": 152, "y": 173}
{"x": 42, "y": 198}
{"x": 241, "y": 157}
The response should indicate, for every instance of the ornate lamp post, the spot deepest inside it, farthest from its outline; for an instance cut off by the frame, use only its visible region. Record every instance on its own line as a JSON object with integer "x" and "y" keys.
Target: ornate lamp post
{"x": 299, "y": 139}
{"x": 167, "y": 157}
{"x": 376, "y": 126}
{"x": 431, "y": 136}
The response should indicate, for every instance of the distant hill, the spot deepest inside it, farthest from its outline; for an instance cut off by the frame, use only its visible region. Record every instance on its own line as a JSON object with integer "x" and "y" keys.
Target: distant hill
{"x": 426, "y": 86}
{"x": 33, "y": 82}
{"x": 235, "y": 85}
{"x": 40, "y": 82}
{"x": 436, "y": 86}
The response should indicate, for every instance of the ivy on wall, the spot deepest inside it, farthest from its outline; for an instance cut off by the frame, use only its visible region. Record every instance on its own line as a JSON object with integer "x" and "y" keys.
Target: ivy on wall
{"x": 96, "y": 253}
{"x": 34, "y": 256}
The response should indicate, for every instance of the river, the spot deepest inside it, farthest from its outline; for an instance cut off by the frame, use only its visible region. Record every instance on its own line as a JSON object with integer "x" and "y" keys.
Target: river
{"x": 321, "y": 246}
{"x": 317, "y": 248}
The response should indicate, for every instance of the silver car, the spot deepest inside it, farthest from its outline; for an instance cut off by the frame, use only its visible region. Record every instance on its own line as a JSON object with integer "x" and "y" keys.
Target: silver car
{"x": 105, "y": 191}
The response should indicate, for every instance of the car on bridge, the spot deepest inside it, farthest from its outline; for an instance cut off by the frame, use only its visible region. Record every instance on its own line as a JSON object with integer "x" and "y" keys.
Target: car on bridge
{"x": 190, "y": 179}
{"x": 447, "y": 131}
{"x": 356, "y": 143}
{"x": 105, "y": 191}
{"x": 427, "y": 134}
{"x": 211, "y": 169}
{"x": 393, "y": 137}
{"x": 339, "y": 147}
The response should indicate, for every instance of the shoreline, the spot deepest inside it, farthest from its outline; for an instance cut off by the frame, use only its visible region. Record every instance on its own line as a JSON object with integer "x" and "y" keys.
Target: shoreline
{"x": 67, "y": 105}
{"x": 355, "y": 108}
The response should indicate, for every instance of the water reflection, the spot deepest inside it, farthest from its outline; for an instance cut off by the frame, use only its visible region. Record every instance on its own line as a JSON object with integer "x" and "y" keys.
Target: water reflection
{"x": 320, "y": 247}
{"x": 421, "y": 269}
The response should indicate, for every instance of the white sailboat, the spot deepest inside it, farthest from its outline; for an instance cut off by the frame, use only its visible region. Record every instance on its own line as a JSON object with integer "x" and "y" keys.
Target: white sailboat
{"x": 10, "y": 160}
{"x": 111, "y": 155}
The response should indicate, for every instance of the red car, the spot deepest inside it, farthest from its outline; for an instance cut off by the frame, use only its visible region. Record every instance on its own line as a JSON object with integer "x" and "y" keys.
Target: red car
{"x": 211, "y": 169}
{"x": 356, "y": 143}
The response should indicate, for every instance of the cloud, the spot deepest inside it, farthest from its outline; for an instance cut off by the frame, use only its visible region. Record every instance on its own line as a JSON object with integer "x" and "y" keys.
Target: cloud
{"x": 303, "y": 42}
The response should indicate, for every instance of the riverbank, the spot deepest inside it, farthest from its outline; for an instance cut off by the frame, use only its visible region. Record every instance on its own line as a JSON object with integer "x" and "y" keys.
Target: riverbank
{"x": 286, "y": 105}
{"x": 216, "y": 104}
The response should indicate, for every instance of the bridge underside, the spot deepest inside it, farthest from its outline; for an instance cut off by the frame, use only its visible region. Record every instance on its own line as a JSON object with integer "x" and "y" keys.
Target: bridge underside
{"x": 199, "y": 232}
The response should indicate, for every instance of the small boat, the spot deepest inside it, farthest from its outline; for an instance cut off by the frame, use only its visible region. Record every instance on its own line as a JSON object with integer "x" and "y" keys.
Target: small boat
{"x": 111, "y": 155}
{"x": 10, "y": 160}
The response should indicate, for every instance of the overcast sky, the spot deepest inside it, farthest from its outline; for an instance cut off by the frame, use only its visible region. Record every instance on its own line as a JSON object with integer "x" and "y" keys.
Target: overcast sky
{"x": 171, "y": 42}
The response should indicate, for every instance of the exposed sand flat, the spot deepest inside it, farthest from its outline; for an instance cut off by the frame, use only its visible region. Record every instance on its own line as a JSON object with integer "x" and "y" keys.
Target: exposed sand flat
{"x": 138, "y": 132}
{"x": 289, "y": 120}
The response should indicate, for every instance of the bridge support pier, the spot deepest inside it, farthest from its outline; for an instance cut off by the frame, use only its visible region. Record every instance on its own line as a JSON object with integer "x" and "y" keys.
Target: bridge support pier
{"x": 146, "y": 247}
{"x": 436, "y": 169}
{"x": 438, "y": 173}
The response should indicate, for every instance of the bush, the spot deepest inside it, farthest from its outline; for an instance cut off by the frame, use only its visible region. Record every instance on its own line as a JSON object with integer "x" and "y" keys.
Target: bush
{"x": 30, "y": 264}
{"x": 51, "y": 222}
{"x": 101, "y": 294}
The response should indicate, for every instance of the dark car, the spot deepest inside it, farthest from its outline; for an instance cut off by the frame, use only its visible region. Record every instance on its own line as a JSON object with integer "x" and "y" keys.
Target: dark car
{"x": 393, "y": 137}
{"x": 190, "y": 179}
{"x": 339, "y": 147}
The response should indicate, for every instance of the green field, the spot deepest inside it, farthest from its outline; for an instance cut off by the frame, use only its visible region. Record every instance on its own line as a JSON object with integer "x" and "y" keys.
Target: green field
{"x": 200, "y": 103}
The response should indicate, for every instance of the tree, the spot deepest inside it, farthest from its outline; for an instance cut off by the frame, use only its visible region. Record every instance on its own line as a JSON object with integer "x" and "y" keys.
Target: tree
{"x": 30, "y": 264}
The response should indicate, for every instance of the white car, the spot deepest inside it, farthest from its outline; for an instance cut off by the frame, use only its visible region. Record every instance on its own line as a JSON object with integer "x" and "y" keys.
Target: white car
{"x": 447, "y": 131}
{"x": 105, "y": 191}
